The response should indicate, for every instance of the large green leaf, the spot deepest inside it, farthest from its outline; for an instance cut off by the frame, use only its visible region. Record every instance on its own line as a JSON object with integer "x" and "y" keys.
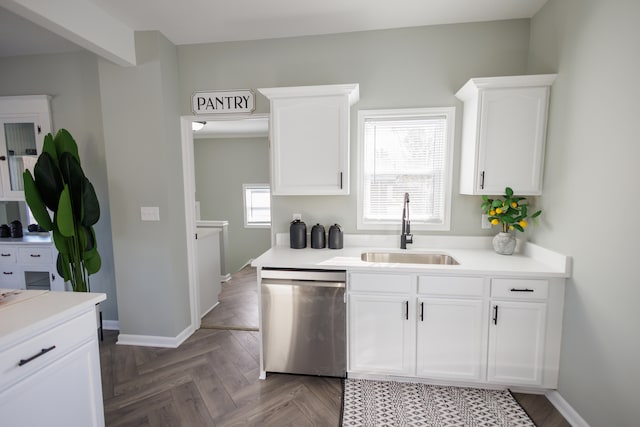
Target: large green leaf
{"x": 64, "y": 217}
{"x": 62, "y": 265}
{"x": 93, "y": 262}
{"x": 73, "y": 176}
{"x": 90, "y": 203}
{"x": 35, "y": 202}
{"x": 66, "y": 144}
{"x": 49, "y": 146}
{"x": 48, "y": 180}
{"x": 61, "y": 242}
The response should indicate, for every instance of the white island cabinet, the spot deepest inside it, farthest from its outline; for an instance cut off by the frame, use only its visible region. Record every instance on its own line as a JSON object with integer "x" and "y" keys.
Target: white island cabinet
{"x": 49, "y": 359}
{"x": 309, "y": 133}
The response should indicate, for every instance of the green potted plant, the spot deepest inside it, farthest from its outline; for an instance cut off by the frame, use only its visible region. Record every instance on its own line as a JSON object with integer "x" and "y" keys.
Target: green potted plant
{"x": 59, "y": 186}
{"x": 510, "y": 212}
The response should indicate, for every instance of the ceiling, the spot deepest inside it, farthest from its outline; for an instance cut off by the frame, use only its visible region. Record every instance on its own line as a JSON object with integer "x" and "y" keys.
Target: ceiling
{"x": 207, "y": 21}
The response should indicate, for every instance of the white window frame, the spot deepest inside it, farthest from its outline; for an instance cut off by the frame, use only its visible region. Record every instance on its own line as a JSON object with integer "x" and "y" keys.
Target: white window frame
{"x": 246, "y": 187}
{"x": 449, "y": 113}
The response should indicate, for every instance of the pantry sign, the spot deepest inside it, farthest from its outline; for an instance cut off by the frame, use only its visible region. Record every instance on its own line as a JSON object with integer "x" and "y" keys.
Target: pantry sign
{"x": 223, "y": 102}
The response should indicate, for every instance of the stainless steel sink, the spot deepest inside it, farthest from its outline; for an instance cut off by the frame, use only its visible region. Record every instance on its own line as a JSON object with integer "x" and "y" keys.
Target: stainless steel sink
{"x": 408, "y": 257}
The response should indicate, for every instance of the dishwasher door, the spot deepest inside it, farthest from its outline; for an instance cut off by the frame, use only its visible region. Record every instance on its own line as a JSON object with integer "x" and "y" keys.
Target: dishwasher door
{"x": 304, "y": 322}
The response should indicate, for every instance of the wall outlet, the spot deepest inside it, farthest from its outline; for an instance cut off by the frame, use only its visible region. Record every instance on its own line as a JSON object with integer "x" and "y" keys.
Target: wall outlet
{"x": 297, "y": 216}
{"x": 485, "y": 221}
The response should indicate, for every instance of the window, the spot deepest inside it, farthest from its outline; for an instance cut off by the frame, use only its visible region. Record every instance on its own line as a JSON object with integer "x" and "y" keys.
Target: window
{"x": 405, "y": 151}
{"x": 257, "y": 205}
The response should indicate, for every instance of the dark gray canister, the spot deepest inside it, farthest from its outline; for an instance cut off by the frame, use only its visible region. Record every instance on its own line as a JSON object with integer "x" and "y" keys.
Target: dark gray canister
{"x": 335, "y": 237}
{"x": 298, "y": 234}
{"x": 318, "y": 237}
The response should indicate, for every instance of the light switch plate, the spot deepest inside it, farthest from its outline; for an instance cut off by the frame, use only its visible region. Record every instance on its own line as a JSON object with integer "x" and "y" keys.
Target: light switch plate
{"x": 485, "y": 221}
{"x": 297, "y": 216}
{"x": 150, "y": 213}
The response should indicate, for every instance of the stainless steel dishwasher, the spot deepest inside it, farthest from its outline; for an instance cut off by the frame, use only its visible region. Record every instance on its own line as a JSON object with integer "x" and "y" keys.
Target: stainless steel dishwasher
{"x": 303, "y": 321}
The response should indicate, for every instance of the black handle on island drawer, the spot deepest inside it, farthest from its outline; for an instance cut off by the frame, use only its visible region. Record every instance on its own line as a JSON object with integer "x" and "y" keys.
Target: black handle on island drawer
{"x": 406, "y": 313}
{"x": 495, "y": 314}
{"x": 521, "y": 290}
{"x": 35, "y": 356}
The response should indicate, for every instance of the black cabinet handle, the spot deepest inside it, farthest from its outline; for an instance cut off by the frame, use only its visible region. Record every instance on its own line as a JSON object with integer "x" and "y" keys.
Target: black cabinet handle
{"x": 5, "y": 254}
{"x": 422, "y": 311}
{"x": 35, "y": 356}
{"x": 495, "y": 314}
{"x": 7, "y": 273}
{"x": 3, "y": 157}
{"x": 406, "y": 312}
{"x": 34, "y": 255}
{"x": 341, "y": 180}
{"x": 521, "y": 290}
{"x": 482, "y": 180}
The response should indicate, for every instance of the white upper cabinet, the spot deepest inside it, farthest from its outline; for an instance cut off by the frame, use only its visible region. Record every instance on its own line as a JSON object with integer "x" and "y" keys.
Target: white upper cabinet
{"x": 309, "y": 134}
{"x": 503, "y": 134}
{"x": 24, "y": 121}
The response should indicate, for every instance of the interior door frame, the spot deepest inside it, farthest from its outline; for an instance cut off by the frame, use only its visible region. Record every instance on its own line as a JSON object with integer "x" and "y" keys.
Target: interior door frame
{"x": 188, "y": 179}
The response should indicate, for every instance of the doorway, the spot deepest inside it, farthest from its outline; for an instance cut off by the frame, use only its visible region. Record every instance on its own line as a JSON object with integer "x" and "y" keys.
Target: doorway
{"x": 218, "y": 161}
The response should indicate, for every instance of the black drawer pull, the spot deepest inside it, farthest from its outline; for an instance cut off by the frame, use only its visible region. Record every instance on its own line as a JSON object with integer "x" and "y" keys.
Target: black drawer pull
{"x": 521, "y": 290}
{"x": 42, "y": 352}
{"x": 406, "y": 313}
{"x": 5, "y": 254}
{"x": 7, "y": 273}
{"x": 422, "y": 311}
{"x": 34, "y": 255}
{"x": 495, "y": 314}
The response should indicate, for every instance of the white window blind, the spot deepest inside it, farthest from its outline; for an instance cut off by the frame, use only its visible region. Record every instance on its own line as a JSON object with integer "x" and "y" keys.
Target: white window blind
{"x": 257, "y": 205}
{"x": 405, "y": 151}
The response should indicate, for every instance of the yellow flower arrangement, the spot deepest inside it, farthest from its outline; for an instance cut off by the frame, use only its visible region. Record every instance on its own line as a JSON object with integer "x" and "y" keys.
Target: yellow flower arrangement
{"x": 510, "y": 211}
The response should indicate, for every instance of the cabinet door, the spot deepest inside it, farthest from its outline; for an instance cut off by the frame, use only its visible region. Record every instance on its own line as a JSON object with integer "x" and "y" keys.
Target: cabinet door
{"x": 380, "y": 337}
{"x": 512, "y": 135}
{"x": 24, "y": 121}
{"x": 516, "y": 342}
{"x": 67, "y": 392}
{"x": 450, "y": 338}
{"x": 310, "y": 145}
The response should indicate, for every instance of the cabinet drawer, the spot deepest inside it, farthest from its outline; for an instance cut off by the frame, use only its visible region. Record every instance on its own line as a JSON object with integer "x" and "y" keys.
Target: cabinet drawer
{"x": 520, "y": 288}
{"x": 456, "y": 286}
{"x": 11, "y": 277}
{"x": 7, "y": 255}
{"x": 35, "y": 255}
{"x": 383, "y": 283}
{"x": 45, "y": 348}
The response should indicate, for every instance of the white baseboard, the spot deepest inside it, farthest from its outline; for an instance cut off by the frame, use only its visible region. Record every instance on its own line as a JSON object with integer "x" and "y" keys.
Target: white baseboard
{"x": 209, "y": 311}
{"x": 110, "y": 325}
{"x": 567, "y": 411}
{"x": 225, "y": 277}
{"x": 155, "y": 341}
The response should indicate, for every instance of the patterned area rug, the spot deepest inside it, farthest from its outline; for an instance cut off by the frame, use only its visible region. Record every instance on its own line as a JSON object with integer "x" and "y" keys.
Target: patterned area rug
{"x": 380, "y": 403}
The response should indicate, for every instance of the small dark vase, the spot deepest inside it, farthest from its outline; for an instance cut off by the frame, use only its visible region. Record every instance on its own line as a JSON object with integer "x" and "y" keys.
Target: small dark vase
{"x": 298, "y": 234}
{"x": 318, "y": 237}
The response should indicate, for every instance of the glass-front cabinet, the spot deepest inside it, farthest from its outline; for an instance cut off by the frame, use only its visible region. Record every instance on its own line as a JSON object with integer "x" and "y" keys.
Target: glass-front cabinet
{"x": 24, "y": 121}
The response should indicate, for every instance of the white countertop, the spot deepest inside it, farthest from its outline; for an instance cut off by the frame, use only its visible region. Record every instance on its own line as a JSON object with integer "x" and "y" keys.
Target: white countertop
{"x": 473, "y": 253}
{"x": 32, "y": 311}
{"x": 28, "y": 239}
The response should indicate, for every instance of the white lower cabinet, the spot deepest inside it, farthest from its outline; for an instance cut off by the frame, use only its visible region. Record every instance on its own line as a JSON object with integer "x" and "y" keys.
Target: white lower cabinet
{"x": 516, "y": 343}
{"x": 461, "y": 329}
{"x": 380, "y": 334}
{"x": 450, "y": 339}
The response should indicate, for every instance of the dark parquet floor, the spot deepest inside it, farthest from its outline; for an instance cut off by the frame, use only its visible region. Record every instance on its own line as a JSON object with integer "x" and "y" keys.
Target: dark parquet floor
{"x": 212, "y": 378}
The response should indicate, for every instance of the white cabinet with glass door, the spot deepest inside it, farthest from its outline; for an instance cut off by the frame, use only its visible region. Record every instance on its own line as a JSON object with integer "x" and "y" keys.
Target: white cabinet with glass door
{"x": 24, "y": 121}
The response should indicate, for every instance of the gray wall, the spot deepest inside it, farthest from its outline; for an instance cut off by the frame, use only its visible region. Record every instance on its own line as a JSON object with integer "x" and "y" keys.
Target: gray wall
{"x": 590, "y": 196}
{"x": 72, "y": 80}
{"x": 221, "y": 167}
{"x": 142, "y": 134}
{"x": 416, "y": 67}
